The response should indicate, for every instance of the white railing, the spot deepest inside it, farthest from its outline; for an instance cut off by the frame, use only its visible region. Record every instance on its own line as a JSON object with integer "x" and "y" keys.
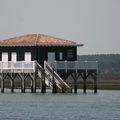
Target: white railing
{"x": 18, "y": 66}
{"x": 59, "y": 81}
{"x": 75, "y": 65}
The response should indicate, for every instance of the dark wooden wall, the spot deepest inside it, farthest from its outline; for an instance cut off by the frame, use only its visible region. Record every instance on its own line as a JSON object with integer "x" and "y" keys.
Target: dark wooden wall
{"x": 40, "y": 53}
{"x": 20, "y": 52}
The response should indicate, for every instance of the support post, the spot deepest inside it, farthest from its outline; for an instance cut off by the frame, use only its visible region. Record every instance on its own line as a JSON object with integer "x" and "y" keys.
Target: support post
{"x": 75, "y": 83}
{"x": 84, "y": 82}
{"x": 74, "y": 76}
{"x": 31, "y": 86}
{"x": 43, "y": 85}
{"x": 12, "y": 82}
{"x": 23, "y": 84}
{"x": 84, "y": 85}
{"x": 54, "y": 90}
{"x": 34, "y": 81}
{"x": 2, "y": 83}
{"x": 12, "y": 85}
{"x": 95, "y": 83}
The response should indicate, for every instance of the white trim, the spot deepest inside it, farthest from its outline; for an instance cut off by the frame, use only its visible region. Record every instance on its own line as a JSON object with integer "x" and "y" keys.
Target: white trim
{"x": 14, "y": 56}
{"x": 4, "y": 56}
{"x": 28, "y": 56}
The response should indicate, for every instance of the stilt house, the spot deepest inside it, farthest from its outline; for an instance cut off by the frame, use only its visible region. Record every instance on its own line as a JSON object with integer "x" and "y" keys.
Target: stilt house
{"x": 43, "y": 57}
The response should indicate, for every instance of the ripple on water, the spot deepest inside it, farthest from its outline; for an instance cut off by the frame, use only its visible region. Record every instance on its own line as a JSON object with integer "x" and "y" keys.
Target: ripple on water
{"x": 103, "y": 106}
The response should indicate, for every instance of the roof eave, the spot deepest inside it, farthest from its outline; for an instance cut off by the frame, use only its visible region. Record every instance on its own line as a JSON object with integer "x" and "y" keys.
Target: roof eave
{"x": 65, "y": 45}
{"x": 79, "y": 45}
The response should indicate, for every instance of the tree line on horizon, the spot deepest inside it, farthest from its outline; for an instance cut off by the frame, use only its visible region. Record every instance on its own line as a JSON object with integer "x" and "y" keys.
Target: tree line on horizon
{"x": 107, "y": 63}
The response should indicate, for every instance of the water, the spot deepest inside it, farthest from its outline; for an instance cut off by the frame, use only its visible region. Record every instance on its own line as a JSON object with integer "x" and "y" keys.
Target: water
{"x": 102, "y": 106}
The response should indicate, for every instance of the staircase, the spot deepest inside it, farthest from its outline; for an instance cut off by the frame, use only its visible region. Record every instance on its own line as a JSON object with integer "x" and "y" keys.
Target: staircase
{"x": 52, "y": 79}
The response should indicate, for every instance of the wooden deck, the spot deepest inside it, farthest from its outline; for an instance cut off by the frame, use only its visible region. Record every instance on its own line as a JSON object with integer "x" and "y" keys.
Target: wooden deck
{"x": 77, "y": 69}
{"x": 53, "y": 75}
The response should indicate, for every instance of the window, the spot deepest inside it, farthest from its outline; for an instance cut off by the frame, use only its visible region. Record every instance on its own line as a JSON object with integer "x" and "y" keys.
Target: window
{"x": 4, "y": 56}
{"x": 60, "y": 56}
{"x": 14, "y": 57}
{"x": 51, "y": 57}
{"x": 27, "y": 56}
{"x": 5, "y": 60}
{"x": 70, "y": 54}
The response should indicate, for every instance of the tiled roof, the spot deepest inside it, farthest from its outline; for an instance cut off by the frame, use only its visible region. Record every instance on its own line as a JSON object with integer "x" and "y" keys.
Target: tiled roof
{"x": 37, "y": 39}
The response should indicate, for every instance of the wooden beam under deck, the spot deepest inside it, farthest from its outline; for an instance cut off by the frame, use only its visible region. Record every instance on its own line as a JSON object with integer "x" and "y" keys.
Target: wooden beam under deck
{"x": 23, "y": 74}
{"x": 84, "y": 74}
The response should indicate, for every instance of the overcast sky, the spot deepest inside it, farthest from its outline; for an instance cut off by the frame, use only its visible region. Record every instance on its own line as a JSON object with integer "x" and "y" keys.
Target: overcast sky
{"x": 95, "y": 23}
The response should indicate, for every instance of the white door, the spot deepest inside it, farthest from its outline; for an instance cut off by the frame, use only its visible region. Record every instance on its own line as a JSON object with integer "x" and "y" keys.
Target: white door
{"x": 14, "y": 56}
{"x": 28, "y": 56}
{"x": 51, "y": 57}
{"x": 60, "y": 56}
{"x": 4, "y": 57}
{"x": 5, "y": 60}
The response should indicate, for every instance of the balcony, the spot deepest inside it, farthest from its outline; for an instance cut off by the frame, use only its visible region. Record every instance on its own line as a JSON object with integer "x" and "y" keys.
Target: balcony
{"x": 17, "y": 67}
{"x": 29, "y": 67}
{"x": 75, "y": 65}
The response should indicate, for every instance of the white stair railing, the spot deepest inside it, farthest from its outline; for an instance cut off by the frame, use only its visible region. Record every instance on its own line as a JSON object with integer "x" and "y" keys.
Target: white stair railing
{"x": 58, "y": 80}
{"x": 47, "y": 78}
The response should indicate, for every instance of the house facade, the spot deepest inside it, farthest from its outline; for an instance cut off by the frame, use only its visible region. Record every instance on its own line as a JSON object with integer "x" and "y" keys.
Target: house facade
{"x": 38, "y": 47}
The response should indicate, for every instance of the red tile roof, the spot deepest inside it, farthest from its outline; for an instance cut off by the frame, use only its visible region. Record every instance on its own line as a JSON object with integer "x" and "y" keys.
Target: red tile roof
{"x": 37, "y": 39}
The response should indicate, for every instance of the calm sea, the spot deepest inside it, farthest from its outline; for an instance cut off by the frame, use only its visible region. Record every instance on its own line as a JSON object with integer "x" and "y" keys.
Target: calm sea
{"x": 102, "y": 106}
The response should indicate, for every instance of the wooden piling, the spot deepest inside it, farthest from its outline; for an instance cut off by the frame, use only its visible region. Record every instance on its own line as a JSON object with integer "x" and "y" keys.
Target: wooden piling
{"x": 94, "y": 76}
{"x": 34, "y": 83}
{"x": 32, "y": 78}
{"x": 84, "y": 86}
{"x": 12, "y": 85}
{"x": 31, "y": 86}
{"x": 75, "y": 83}
{"x": 23, "y": 84}
{"x": 11, "y": 76}
{"x": 74, "y": 76}
{"x": 2, "y": 83}
{"x": 84, "y": 82}
{"x": 43, "y": 85}
{"x": 95, "y": 83}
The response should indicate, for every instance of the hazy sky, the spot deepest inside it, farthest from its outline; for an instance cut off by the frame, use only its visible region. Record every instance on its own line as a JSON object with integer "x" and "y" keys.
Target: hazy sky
{"x": 95, "y": 23}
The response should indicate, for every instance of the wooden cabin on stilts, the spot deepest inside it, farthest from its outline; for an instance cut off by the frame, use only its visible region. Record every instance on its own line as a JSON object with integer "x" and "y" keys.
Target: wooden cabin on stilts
{"x": 46, "y": 59}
